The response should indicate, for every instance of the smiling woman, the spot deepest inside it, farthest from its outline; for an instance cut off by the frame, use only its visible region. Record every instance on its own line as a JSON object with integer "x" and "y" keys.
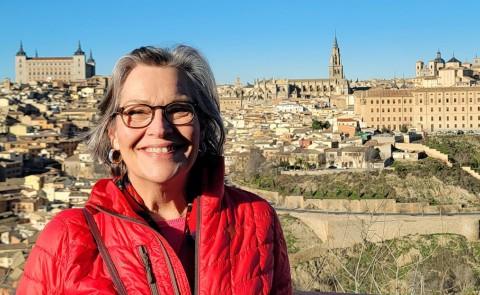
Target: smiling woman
{"x": 165, "y": 223}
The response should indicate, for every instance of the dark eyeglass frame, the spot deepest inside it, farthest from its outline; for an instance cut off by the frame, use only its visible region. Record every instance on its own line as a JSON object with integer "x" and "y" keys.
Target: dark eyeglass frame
{"x": 164, "y": 108}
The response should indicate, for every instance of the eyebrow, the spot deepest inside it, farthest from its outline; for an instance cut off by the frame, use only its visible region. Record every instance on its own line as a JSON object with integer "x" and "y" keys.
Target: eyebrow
{"x": 180, "y": 98}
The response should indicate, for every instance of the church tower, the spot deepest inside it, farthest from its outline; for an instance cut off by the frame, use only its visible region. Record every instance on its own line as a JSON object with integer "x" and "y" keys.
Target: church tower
{"x": 79, "y": 64}
{"x": 335, "y": 68}
{"x": 21, "y": 66}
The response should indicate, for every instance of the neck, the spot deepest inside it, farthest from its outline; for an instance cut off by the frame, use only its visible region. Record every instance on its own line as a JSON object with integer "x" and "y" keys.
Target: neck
{"x": 164, "y": 201}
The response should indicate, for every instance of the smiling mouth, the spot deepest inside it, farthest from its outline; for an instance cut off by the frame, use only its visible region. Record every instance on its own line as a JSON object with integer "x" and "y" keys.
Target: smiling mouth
{"x": 162, "y": 150}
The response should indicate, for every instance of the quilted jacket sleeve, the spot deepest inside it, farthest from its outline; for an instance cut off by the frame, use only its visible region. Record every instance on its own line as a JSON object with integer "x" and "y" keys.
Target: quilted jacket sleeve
{"x": 42, "y": 273}
{"x": 282, "y": 281}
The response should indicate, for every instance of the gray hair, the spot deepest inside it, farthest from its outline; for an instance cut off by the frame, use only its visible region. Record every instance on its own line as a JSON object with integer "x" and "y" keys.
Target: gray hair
{"x": 194, "y": 66}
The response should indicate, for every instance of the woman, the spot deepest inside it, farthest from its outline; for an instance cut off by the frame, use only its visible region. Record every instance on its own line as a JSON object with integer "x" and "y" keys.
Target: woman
{"x": 165, "y": 223}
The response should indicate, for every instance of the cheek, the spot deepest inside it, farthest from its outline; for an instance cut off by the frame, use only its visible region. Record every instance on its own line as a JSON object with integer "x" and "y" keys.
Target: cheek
{"x": 126, "y": 137}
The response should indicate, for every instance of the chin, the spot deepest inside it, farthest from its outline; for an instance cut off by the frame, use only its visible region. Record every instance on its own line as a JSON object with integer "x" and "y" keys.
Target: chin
{"x": 176, "y": 173}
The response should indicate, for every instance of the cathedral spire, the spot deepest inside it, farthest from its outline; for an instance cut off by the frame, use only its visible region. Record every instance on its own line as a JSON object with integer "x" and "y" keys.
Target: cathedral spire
{"x": 36, "y": 53}
{"x": 335, "y": 67}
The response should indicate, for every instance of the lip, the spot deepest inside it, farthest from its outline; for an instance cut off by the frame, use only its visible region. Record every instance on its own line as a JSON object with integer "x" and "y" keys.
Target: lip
{"x": 164, "y": 150}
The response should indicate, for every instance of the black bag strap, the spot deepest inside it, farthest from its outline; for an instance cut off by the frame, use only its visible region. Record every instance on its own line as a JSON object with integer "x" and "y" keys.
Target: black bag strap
{"x": 92, "y": 225}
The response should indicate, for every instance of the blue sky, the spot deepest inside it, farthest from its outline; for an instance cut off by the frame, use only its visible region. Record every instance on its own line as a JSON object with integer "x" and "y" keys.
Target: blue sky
{"x": 250, "y": 39}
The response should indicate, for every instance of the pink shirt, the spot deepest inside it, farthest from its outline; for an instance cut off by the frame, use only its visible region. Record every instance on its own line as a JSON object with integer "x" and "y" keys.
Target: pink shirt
{"x": 174, "y": 232}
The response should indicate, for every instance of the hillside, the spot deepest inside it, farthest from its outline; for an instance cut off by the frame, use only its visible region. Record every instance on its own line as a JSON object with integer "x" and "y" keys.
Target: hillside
{"x": 427, "y": 180}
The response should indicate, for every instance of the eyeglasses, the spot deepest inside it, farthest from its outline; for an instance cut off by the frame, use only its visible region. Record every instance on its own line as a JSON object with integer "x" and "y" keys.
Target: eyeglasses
{"x": 141, "y": 115}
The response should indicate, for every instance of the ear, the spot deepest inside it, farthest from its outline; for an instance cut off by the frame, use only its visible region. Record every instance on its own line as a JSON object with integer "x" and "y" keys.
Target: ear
{"x": 112, "y": 134}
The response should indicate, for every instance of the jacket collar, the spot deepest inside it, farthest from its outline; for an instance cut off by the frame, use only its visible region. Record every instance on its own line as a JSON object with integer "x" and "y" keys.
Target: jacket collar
{"x": 206, "y": 180}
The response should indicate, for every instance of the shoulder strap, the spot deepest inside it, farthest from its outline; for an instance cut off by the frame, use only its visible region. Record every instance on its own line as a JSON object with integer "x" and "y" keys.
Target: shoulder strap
{"x": 92, "y": 225}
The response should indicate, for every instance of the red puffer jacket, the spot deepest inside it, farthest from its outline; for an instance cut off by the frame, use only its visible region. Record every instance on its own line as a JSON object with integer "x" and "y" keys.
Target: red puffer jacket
{"x": 239, "y": 247}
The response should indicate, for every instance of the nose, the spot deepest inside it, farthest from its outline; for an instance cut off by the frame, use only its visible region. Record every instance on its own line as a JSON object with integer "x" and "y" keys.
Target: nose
{"x": 159, "y": 125}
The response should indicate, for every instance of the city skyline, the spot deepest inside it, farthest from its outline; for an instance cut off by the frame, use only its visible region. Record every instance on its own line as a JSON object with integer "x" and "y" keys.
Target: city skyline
{"x": 251, "y": 40}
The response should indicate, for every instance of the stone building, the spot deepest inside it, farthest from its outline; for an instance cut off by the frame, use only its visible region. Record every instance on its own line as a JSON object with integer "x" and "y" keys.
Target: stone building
{"x": 438, "y": 73}
{"x": 286, "y": 89}
{"x": 70, "y": 68}
{"x": 426, "y": 109}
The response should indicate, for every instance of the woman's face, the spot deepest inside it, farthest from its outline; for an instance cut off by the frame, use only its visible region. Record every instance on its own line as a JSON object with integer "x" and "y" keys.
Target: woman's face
{"x": 161, "y": 152}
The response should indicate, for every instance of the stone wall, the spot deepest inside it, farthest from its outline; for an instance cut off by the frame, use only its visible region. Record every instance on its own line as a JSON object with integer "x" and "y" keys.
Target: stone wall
{"x": 471, "y": 172}
{"x": 388, "y": 206}
{"x": 272, "y": 197}
{"x": 338, "y": 231}
{"x": 416, "y": 147}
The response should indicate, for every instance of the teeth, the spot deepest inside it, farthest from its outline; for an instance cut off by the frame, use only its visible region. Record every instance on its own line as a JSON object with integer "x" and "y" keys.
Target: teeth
{"x": 158, "y": 149}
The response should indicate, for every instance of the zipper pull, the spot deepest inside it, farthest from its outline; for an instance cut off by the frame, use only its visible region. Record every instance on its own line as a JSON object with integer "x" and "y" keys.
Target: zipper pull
{"x": 147, "y": 263}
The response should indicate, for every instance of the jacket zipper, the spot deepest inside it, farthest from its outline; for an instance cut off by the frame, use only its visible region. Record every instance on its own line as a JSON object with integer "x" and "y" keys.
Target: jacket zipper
{"x": 197, "y": 246}
{"x": 148, "y": 268}
{"x": 167, "y": 258}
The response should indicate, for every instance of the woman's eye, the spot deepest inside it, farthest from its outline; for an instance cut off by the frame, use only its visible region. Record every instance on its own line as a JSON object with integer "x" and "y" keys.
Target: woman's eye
{"x": 136, "y": 112}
